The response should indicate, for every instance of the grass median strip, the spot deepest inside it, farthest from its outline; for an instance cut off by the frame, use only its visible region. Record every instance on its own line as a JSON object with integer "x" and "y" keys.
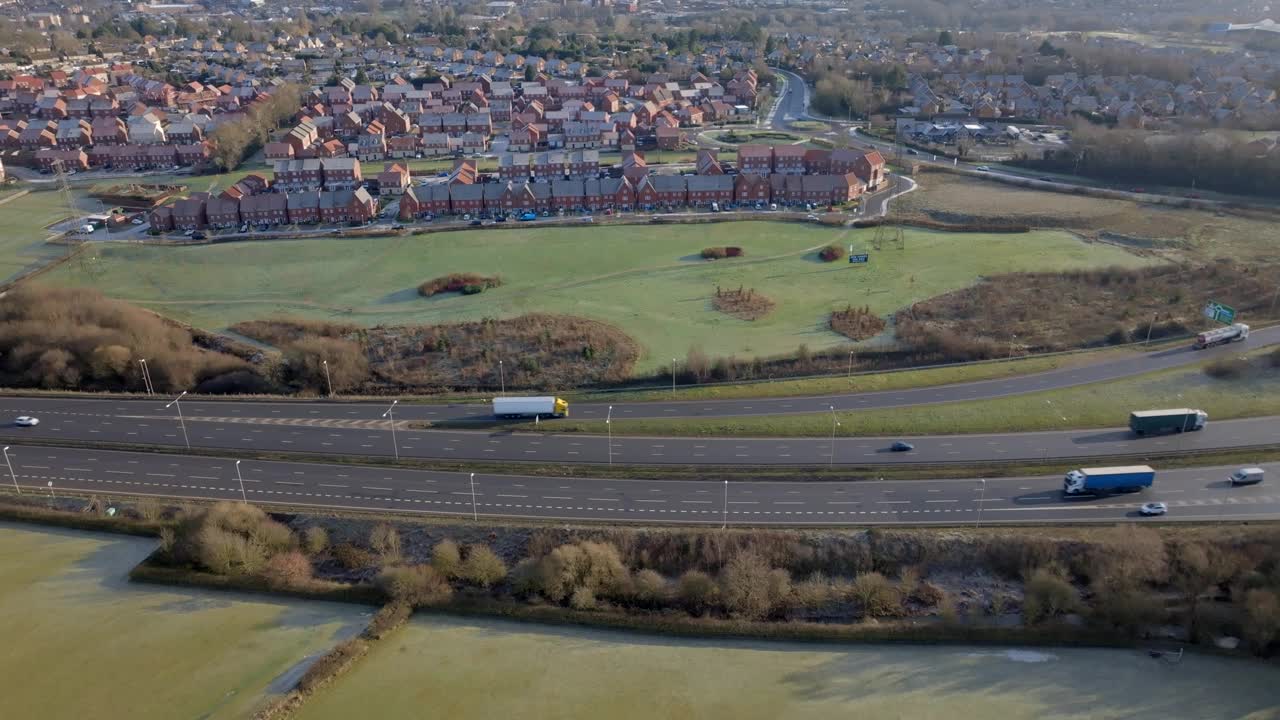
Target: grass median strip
{"x": 1253, "y": 392}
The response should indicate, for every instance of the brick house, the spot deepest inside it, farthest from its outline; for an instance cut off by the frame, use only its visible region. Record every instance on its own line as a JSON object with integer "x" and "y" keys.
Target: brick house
{"x": 817, "y": 161}
{"x": 222, "y": 213}
{"x": 870, "y": 169}
{"x": 419, "y": 201}
{"x": 751, "y": 189}
{"x": 669, "y": 138}
{"x": 161, "y": 218}
{"x": 618, "y": 193}
{"x": 268, "y": 209}
{"x": 393, "y": 180}
{"x": 567, "y": 194}
{"x": 337, "y": 206}
{"x": 706, "y": 189}
{"x": 291, "y": 175}
{"x": 672, "y": 190}
{"x": 189, "y": 213}
{"x": 109, "y": 131}
{"x": 278, "y": 151}
{"x": 757, "y": 159}
{"x": 518, "y": 197}
{"x": 73, "y": 159}
{"x": 707, "y": 163}
{"x": 341, "y": 173}
{"x": 788, "y": 160}
{"x": 513, "y": 166}
{"x": 634, "y": 168}
{"x": 303, "y": 207}
{"x": 466, "y": 198}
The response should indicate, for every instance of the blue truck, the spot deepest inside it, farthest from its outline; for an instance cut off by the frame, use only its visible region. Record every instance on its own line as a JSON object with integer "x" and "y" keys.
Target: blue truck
{"x": 1099, "y": 481}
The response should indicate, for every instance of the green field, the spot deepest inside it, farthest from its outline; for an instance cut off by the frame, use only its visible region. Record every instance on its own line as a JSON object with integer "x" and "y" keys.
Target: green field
{"x": 22, "y": 233}
{"x": 1107, "y": 404}
{"x": 81, "y": 642}
{"x": 648, "y": 280}
{"x": 458, "y": 669}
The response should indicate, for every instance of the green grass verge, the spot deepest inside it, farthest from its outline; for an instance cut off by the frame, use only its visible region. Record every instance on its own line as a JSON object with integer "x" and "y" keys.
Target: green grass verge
{"x": 1105, "y": 404}
{"x": 646, "y": 280}
{"x": 22, "y": 233}
{"x": 859, "y": 382}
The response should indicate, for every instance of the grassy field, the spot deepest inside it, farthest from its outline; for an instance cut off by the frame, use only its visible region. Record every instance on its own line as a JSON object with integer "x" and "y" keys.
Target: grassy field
{"x": 859, "y": 382}
{"x": 1256, "y": 393}
{"x": 463, "y": 670}
{"x": 22, "y": 233}
{"x": 647, "y": 280}
{"x": 1193, "y": 234}
{"x": 80, "y": 642}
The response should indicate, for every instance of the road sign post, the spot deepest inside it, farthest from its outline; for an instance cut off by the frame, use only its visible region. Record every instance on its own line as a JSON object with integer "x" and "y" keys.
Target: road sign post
{"x": 1218, "y": 312}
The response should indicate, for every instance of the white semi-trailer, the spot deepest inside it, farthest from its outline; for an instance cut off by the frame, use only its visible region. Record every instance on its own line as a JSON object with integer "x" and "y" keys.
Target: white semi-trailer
{"x": 525, "y": 407}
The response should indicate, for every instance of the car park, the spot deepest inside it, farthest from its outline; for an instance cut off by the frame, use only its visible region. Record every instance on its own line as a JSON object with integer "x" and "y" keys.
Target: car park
{"x": 26, "y": 421}
{"x": 902, "y": 446}
{"x": 1247, "y": 476}
{"x": 1153, "y": 509}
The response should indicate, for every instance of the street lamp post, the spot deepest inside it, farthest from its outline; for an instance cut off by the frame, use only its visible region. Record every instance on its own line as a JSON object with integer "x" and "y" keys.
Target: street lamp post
{"x": 1151, "y": 326}
{"x": 834, "y": 423}
{"x": 608, "y": 426}
{"x": 981, "y": 501}
{"x": 1012, "y": 343}
{"x": 181, "y": 420}
{"x": 725, "y": 522}
{"x": 9, "y": 462}
{"x": 146, "y": 377}
{"x": 474, "y": 515}
{"x": 243, "y": 497}
{"x": 673, "y": 377}
{"x": 850, "y": 371}
{"x": 502, "y": 378}
{"x": 391, "y": 415}
{"x": 51, "y": 495}
{"x": 327, "y": 379}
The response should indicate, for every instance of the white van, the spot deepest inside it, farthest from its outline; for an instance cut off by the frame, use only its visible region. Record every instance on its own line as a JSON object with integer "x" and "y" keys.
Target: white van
{"x": 1247, "y": 476}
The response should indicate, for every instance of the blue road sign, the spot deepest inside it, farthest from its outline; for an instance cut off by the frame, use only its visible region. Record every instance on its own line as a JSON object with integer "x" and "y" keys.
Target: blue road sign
{"x": 859, "y": 258}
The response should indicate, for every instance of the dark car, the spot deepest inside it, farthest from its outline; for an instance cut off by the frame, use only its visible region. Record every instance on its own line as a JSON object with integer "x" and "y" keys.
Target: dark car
{"x": 902, "y": 446}
{"x": 911, "y": 151}
{"x": 476, "y": 223}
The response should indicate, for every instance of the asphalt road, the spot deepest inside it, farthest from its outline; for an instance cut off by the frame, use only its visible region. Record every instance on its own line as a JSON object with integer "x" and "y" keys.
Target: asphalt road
{"x": 793, "y": 103}
{"x": 143, "y": 423}
{"x": 1195, "y": 494}
{"x": 362, "y": 414}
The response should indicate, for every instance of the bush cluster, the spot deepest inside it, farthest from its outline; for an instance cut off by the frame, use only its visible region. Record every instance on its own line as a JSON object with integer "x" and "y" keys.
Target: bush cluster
{"x": 832, "y": 253}
{"x": 465, "y": 283}
{"x": 721, "y": 251}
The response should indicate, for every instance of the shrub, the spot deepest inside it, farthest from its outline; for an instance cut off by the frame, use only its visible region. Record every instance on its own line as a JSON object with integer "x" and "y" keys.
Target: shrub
{"x": 874, "y": 594}
{"x": 331, "y": 664}
{"x": 751, "y": 588}
{"x": 384, "y": 541}
{"x": 926, "y": 593}
{"x": 1274, "y": 357}
{"x": 832, "y": 253}
{"x": 1126, "y": 608}
{"x": 482, "y": 567}
{"x": 228, "y": 538}
{"x": 148, "y": 509}
{"x": 590, "y": 565}
{"x": 856, "y": 323}
{"x": 226, "y": 553}
{"x": 1047, "y": 595}
{"x": 1227, "y": 368}
{"x": 697, "y": 591}
{"x": 315, "y": 540}
{"x": 1263, "y": 610}
{"x": 446, "y": 558}
{"x": 287, "y": 569}
{"x": 388, "y": 618}
{"x": 525, "y": 578}
{"x": 649, "y": 588}
{"x": 348, "y": 363}
{"x": 415, "y": 585}
{"x": 458, "y": 282}
{"x": 582, "y": 599}
{"x": 720, "y": 252}
{"x": 351, "y": 557}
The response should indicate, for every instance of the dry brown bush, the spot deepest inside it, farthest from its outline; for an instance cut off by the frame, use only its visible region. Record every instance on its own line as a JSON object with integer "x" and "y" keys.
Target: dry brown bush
{"x": 347, "y": 365}
{"x": 384, "y": 541}
{"x": 832, "y": 253}
{"x": 351, "y": 557}
{"x": 650, "y": 589}
{"x": 1263, "y": 610}
{"x": 1047, "y": 595}
{"x": 751, "y": 589}
{"x": 856, "y": 323}
{"x": 582, "y": 599}
{"x": 149, "y": 509}
{"x": 698, "y": 592}
{"x": 388, "y": 618}
{"x": 743, "y": 304}
{"x": 229, "y": 538}
{"x": 1227, "y": 368}
{"x": 315, "y": 540}
{"x": 446, "y": 558}
{"x": 415, "y": 585}
{"x": 875, "y": 595}
{"x": 482, "y": 567}
{"x": 595, "y": 567}
{"x": 287, "y": 569}
{"x": 331, "y": 663}
{"x": 76, "y": 338}
{"x": 1126, "y": 608}
{"x": 458, "y": 282}
{"x": 1055, "y": 311}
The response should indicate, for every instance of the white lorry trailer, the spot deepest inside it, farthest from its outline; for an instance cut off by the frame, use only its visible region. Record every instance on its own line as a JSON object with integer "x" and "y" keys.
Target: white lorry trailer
{"x": 525, "y": 407}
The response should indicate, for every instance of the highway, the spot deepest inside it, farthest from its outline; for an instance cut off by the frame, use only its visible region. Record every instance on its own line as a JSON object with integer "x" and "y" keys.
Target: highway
{"x": 1195, "y": 494}
{"x": 365, "y": 433}
{"x": 1112, "y": 367}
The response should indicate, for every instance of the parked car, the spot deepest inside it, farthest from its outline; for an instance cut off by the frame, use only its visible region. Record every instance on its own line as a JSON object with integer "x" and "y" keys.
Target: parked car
{"x": 902, "y": 446}
{"x": 811, "y": 217}
{"x": 587, "y": 218}
{"x": 1152, "y": 509}
{"x": 912, "y": 151}
{"x": 528, "y": 216}
{"x": 983, "y": 168}
{"x": 476, "y": 223}
{"x": 26, "y": 421}
{"x": 138, "y": 221}
{"x": 189, "y": 233}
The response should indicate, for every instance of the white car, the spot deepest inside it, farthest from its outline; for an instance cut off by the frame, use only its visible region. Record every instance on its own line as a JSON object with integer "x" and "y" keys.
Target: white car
{"x": 983, "y": 168}
{"x": 25, "y": 421}
{"x": 1153, "y": 508}
{"x": 137, "y": 221}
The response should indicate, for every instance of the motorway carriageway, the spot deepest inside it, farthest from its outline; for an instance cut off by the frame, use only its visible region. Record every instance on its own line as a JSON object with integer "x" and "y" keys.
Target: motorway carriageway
{"x": 364, "y": 413}
{"x": 160, "y": 427}
{"x": 1192, "y": 494}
